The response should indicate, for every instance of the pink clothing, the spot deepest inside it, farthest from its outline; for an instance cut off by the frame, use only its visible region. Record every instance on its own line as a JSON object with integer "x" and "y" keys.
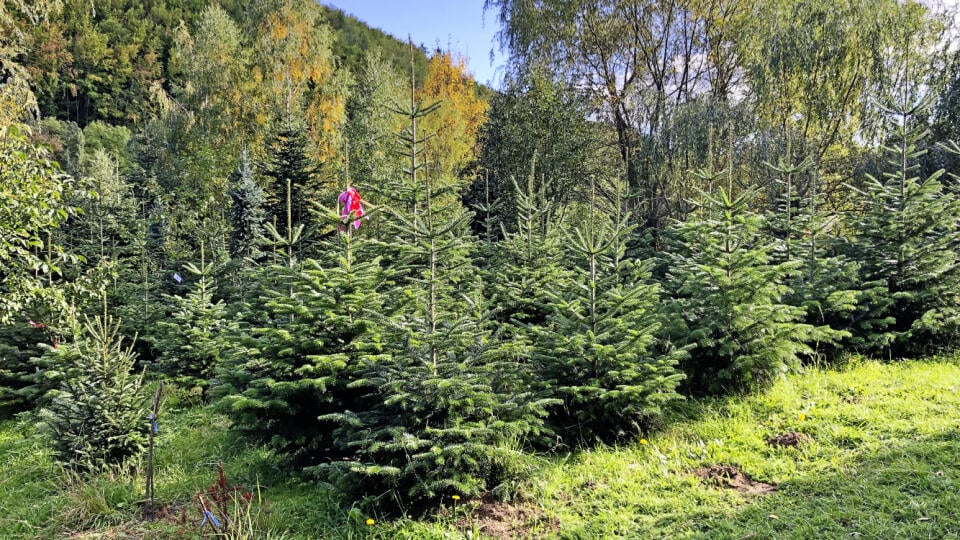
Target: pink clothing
{"x": 350, "y": 204}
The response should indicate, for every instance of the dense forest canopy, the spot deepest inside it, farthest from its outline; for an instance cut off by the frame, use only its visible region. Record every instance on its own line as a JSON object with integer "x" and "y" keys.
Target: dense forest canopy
{"x": 665, "y": 198}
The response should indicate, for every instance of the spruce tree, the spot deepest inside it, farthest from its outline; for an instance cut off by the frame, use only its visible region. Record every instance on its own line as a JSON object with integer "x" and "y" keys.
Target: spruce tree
{"x": 600, "y": 349}
{"x": 728, "y": 298}
{"x": 246, "y": 212}
{"x": 907, "y": 237}
{"x": 97, "y": 417}
{"x": 290, "y": 173}
{"x": 19, "y": 343}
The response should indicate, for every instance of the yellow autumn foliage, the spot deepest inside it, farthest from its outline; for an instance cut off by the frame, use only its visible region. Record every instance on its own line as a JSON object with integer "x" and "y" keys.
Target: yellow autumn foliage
{"x": 296, "y": 58}
{"x": 457, "y": 122}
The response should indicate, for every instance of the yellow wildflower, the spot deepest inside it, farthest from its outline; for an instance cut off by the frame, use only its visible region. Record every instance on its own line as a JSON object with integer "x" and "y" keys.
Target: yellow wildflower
{"x": 455, "y": 497}
{"x": 643, "y": 441}
{"x": 371, "y": 521}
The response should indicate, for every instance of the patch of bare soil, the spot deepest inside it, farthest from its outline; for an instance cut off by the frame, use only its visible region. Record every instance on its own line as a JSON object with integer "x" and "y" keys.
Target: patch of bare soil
{"x": 169, "y": 512}
{"x": 791, "y": 438}
{"x": 728, "y": 476}
{"x": 503, "y": 521}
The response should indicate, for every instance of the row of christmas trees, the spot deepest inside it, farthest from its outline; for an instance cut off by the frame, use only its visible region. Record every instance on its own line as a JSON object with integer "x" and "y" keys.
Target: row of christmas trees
{"x": 410, "y": 358}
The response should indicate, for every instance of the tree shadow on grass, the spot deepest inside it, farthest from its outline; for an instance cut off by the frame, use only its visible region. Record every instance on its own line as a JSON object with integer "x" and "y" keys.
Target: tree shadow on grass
{"x": 909, "y": 489}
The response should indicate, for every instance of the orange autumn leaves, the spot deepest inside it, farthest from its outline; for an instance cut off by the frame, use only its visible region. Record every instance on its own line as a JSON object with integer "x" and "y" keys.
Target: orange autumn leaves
{"x": 303, "y": 74}
{"x": 282, "y": 70}
{"x": 303, "y": 69}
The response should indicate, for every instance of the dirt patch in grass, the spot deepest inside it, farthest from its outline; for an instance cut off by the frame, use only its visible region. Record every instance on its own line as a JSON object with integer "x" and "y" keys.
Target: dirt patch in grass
{"x": 169, "y": 512}
{"x": 791, "y": 438}
{"x": 728, "y": 476}
{"x": 503, "y": 521}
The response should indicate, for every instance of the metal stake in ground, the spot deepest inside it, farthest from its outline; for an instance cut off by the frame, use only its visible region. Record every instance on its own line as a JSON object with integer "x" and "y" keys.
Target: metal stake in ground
{"x": 154, "y": 429}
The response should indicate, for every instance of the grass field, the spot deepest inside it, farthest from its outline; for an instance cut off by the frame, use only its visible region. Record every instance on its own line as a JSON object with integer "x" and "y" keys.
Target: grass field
{"x": 868, "y": 451}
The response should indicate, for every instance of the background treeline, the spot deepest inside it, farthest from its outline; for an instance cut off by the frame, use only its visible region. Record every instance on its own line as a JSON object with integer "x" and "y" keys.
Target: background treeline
{"x": 666, "y": 198}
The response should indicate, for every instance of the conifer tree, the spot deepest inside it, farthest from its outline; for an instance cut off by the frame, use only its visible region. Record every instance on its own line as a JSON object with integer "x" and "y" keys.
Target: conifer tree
{"x": 728, "y": 299}
{"x": 137, "y": 300}
{"x": 519, "y": 272}
{"x": 526, "y": 262}
{"x": 827, "y": 282}
{"x": 190, "y": 341}
{"x": 246, "y": 212}
{"x": 97, "y": 417}
{"x": 449, "y": 416}
{"x": 300, "y": 350}
{"x": 600, "y": 348}
{"x": 907, "y": 237}
{"x": 830, "y": 289}
{"x": 450, "y": 413}
{"x": 18, "y": 374}
{"x": 290, "y": 173}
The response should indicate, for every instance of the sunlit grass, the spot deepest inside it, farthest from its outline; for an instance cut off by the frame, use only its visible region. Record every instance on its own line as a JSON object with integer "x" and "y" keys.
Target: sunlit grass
{"x": 882, "y": 462}
{"x": 881, "y": 459}
{"x": 29, "y": 483}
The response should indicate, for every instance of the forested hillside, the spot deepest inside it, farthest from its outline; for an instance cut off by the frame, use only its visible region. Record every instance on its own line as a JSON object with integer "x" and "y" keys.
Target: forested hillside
{"x": 406, "y": 285}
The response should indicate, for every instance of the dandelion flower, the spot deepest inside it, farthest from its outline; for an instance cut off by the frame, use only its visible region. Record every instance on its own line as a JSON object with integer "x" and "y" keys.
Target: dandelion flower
{"x": 802, "y": 417}
{"x": 371, "y": 521}
{"x": 455, "y": 497}
{"x": 643, "y": 441}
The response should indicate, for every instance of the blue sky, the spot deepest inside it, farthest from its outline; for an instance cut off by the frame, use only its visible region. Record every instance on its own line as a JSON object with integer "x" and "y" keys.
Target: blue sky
{"x": 458, "y": 25}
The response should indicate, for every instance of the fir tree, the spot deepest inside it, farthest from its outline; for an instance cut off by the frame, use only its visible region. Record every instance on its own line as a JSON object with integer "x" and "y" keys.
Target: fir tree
{"x": 827, "y": 283}
{"x": 190, "y": 342}
{"x": 728, "y": 299}
{"x": 521, "y": 268}
{"x": 526, "y": 262}
{"x": 907, "y": 237}
{"x": 600, "y": 349}
{"x": 302, "y": 348}
{"x": 137, "y": 301}
{"x": 97, "y": 417}
{"x": 829, "y": 288}
{"x": 449, "y": 415}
